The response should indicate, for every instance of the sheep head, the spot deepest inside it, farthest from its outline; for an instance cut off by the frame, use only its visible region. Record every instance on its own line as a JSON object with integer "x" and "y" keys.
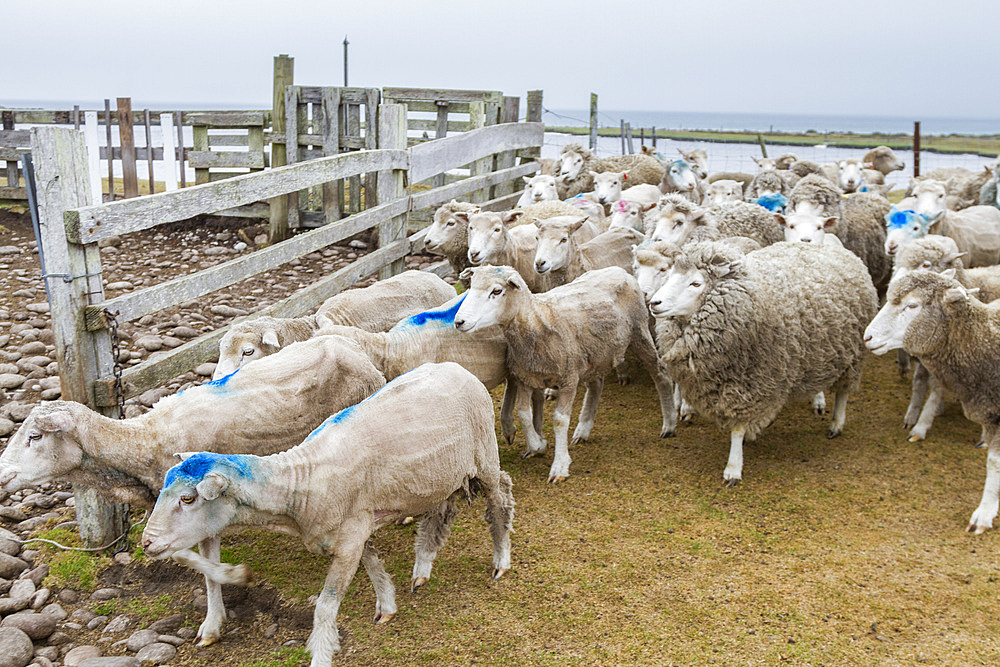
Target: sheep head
{"x": 555, "y": 242}
{"x": 930, "y": 253}
{"x": 571, "y": 162}
{"x": 541, "y": 187}
{"x": 487, "y": 233}
{"x": 651, "y": 263}
{"x": 931, "y": 197}
{"x": 245, "y": 342}
{"x": 45, "y": 448}
{"x": 696, "y": 273}
{"x": 608, "y": 186}
{"x": 676, "y": 220}
{"x": 902, "y": 227}
{"x": 491, "y": 298}
{"x": 805, "y": 227}
{"x": 679, "y": 177}
{"x": 447, "y": 230}
{"x": 916, "y": 307}
{"x": 722, "y": 191}
{"x": 629, "y": 214}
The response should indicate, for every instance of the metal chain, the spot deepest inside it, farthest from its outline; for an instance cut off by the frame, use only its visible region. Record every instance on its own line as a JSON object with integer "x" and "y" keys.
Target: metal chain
{"x": 117, "y": 370}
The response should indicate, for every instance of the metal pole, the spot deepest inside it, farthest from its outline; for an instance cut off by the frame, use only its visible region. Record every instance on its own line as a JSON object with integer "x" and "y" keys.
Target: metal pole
{"x": 622, "y": 134}
{"x": 345, "y": 60}
{"x": 916, "y": 148}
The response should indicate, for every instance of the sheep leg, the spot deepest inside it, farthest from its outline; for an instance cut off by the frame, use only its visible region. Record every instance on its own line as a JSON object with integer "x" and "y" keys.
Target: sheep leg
{"x": 385, "y": 592}
{"x": 932, "y": 408}
{"x": 564, "y": 407}
{"x": 903, "y": 361}
{"x": 733, "y": 473}
{"x": 500, "y": 516}
{"x": 432, "y": 533}
{"x": 585, "y": 424}
{"x": 921, "y": 382}
{"x": 839, "y": 414}
{"x": 621, "y": 371}
{"x": 507, "y": 411}
{"x": 643, "y": 348}
{"x": 819, "y": 403}
{"x": 210, "y": 631}
{"x": 324, "y": 640}
{"x": 526, "y": 398}
{"x": 982, "y": 518}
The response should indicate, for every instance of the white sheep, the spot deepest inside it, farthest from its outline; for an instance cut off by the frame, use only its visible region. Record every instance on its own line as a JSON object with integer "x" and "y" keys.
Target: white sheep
{"x": 722, "y": 191}
{"x": 571, "y": 335}
{"x": 989, "y": 194}
{"x": 374, "y": 308}
{"x": 576, "y": 163}
{"x": 744, "y": 333}
{"x": 544, "y": 210}
{"x": 447, "y": 236}
{"x": 355, "y": 473}
{"x": 608, "y": 189}
{"x": 698, "y": 159}
{"x": 629, "y": 215}
{"x": 678, "y": 221}
{"x": 264, "y": 408}
{"x": 852, "y": 174}
{"x": 558, "y": 254}
{"x": 541, "y": 187}
{"x": 976, "y": 229}
{"x": 493, "y": 241}
{"x": 679, "y": 177}
{"x": 883, "y": 160}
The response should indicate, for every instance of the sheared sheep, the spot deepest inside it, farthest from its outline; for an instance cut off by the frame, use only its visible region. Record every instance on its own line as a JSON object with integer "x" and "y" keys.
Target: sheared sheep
{"x": 356, "y": 472}
{"x": 559, "y": 255}
{"x": 744, "y": 333}
{"x": 852, "y": 174}
{"x": 883, "y": 160}
{"x": 989, "y": 194}
{"x": 608, "y": 189}
{"x": 678, "y": 220}
{"x": 957, "y": 338}
{"x": 698, "y": 159}
{"x": 722, "y": 191}
{"x": 629, "y": 215}
{"x": 447, "y": 236}
{"x": 264, "y": 408}
{"x": 571, "y": 335}
{"x": 374, "y": 308}
{"x": 493, "y": 241}
{"x": 541, "y": 187}
{"x": 769, "y": 183}
{"x": 785, "y": 161}
{"x": 679, "y": 177}
{"x": 976, "y": 229}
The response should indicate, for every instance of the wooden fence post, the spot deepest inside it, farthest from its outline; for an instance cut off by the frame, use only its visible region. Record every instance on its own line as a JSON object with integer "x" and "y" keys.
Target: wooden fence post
{"x": 477, "y": 119}
{"x": 391, "y": 134}
{"x": 126, "y": 136}
{"x": 284, "y": 68}
{"x": 916, "y": 148}
{"x": 169, "y": 151}
{"x": 90, "y": 126}
{"x": 61, "y": 184}
{"x": 534, "y": 115}
{"x": 508, "y": 114}
{"x": 333, "y": 204}
{"x": 593, "y": 121}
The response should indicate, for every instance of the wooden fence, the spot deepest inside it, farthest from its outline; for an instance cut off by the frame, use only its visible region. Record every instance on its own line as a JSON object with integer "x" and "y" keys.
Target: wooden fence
{"x": 71, "y": 224}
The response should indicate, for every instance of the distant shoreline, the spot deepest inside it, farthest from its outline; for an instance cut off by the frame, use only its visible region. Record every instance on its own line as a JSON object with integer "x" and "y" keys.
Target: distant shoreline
{"x": 981, "y": 145}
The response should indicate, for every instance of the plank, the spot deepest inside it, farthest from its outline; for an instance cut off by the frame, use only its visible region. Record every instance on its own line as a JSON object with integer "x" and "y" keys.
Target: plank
{"x": 477, "y": 119}
{"x": 104, "y": 221}
{"x": 391, "y": 134}
{"x": 154, "y": 373}
{"x": 228, "y": 139}
{"x": 283, "y": 76}
{"x": 508, "y": 114}
{"x": 225, "y": 119}
{"x": 93, "y": 156}
{"x": 149, "y": 150}
{"x": 13, "y": 154}
{"x": 152, "y": 299}
{"x": 181, "y": 149}
{"x": 353, "y": 129}
{"x": 441, "y": 95}
{"x": 15, "y": 138}
{"x": 225, "y": 159}
{"x": 333, "y": 205}
{"x": 432, "y": 126}
{"x": 126, "y": 137}
{"x": 431, "y": 107}
{"x": 7, "y": 122}
{"x": 169, "y": 152}
{"x": 108, "y": 119}
{"x": 430, "y": 158}
{"x": 465, "y": 186}
{"x": 199, "y": 144}
{"x": 8, "y": 192}
{"x": 373, "y": 98}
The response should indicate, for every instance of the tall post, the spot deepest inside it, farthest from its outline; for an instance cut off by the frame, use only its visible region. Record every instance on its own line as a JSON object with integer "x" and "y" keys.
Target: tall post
{"x": 111, "y": 150}
{"x": 345, "y": 60}
{"x": 477, "y": 119}
{"x": 916, "y": 148}
{"x": 763, "y": 147}
{"x": 60, "y": 158}
{"x": 284, "y": 67}
{"x": 534, "y": 115}
{"x": 130, "y": 178}
{"x": 509, "y": 113}
{"x": 593, "y": 121}
{"x": 622, "y": 135}
{"x": 391, "y": 134}
{"x": 654, "y": 137}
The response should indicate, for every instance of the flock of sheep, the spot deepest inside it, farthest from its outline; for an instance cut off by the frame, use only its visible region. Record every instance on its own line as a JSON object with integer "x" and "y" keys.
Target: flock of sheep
{"x": 736, "y": 292}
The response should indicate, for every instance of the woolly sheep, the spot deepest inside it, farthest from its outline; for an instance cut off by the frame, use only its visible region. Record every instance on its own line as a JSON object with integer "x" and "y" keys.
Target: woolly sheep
{"x": 677, "y": 221}
{"x": 576, "y": 163}
{"x": 559, "y": 255}
{"x": 775, "y": 203}
{"x": 679, "y": 177}
{"x": 737, "y": 176}
{"x": 989, "y": 194}
{"x": 608, "y": 189}
{"x": 765, "y": 164}
{"x": 722, "y": 191}
{"x": 374, "y": 308}
{"x": 976, "y": 229}
{"x": 698, "y": 159}
{"x": 629, "y": 215}
{"x": 851, "y": 174}
{"x": 803, "y": 168}
{"x": 883, "y": 160}
{"x": 957, "y": 338}
{"x": 264, "y": 408}
{"x": 541, "y": 187}
{"x": 768, "y": 183}
{"x": 744, "y": 333}
{"x": 355, "y": 473}
{"x": 569, "y": 336}
{"x": 447, "y": 236}
{"x": 785, "y": 161}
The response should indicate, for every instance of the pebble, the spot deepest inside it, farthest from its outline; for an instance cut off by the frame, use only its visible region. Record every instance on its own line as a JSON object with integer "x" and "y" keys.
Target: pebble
{"x": 117, "y": 661}
{"x": 55, "y": 610}
{"x": 260, "y": 239}
{"x": 37, "y": 626}
{"x": 123, "y": 558}
{"x": 9, "y": 368}
{"x": 42, "y": 307}
{"x": 184, "y": 332}
{"x": 150, "y": 397}
{"x": 170, "y": 639}
{"x": 97, "y": 622}
{"x": 38, "y": 574}
{"x": 271, "y": 630}
{"x": 170, "y": 342}
{"x": 11, "y": 567}
{"x": 15, "y": 647}
{"x": 11, "y": 605}
{"x": 6, "y": 427}
{"x": 79, "y": 654}
{"x": 59, "y": 639}
{"x": 120, "y": 285}
{"x": 11, "y": 380}
{"x": 227, "y": 311}
{"x": 105, "y": 594}
{"x": 83, "y": 615}
{"x": 50, "y": 394}
{"x": 4, "y": 339}
{"x": 157, "y": 653}
{"x": 167, "y": 625}
{"x": 150, "y": 343}
{"x": 68, "y": 595}
{"x": 204, "y": 370}
{"x": 117, "y": 625}
{"x": 140, "y": 639}
{"x": 187, "y": 633}
{"x": 18, "y": 411}
{"x": 9, "y": 250}
{"x": 22, "y": 588}
{"x": 214, "y": 250}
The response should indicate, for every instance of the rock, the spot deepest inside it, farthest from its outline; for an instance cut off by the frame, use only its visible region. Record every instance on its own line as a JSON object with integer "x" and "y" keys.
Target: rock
{"x": 200, "y": 603}
{"x": 141, "y": 639}
{"x": 240, "y": 247}
{"x": 68, "y": 595}
{"x": 79, "y": 654}
{"x": 15, "y": 647}
{"x": 11, "y": 567}
{"x": 150, "y": 343}
{"x": 170, "y": 639}
{"x": 6, "y": 427}
{"x": 157, "y": 653}
{"x": 270, "y": 631}
{"x": 170, "y": 342}
{"x": 22, "y": 588}
{"x": 204, "y": 370}
{"x": 36, "y": 626}
{"x": 225, "y": 311}
{"x": 9, "y": 368}
{"x": 214, "y": 250}
{"x": 83, "y": 615}
{"x": 149, "y": 398}
{"x": 184, "y": 332}
{"x": 105, "y": 594}
{"x": 260, "y": 239}
{"x": 123, "y": 558}
{"x": 97, "y": 622}
{"x": 42, "y": 307}
{"x": 11, "y": 605}
{"x": 117, "y": 661}
{"x": 50, "y": 653}
{"x": 360, "y": 245}
{"x": 50, "y": 394}
{"x": 120, "y": 285}
{"x": 9, "y": 250}
{"x": 32, "y": 349}
{"x": 55, "y": 610}
{"x": 117, "y": 625}
{"x": 11, "y": 380}
{"x": 167, "y": 625}
{"x": 38, "y": 574}
{"x": 187, "y": 633}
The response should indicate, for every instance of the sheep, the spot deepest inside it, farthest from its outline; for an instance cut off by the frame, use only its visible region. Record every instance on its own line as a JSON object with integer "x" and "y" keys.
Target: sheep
{"x": 805, "y": 228}
{"x": 883, "y": 160}
{"x": 677, "y": 220}
{"x": 447, "y": 236}
{"x": 629, "y": 215}
{"x": 356, "y": 472}
{"x": 769, "y": 183}
{"x": 737, "y": 176}
{"x": 803, "y": 168}
{"x": 722, "y": 191}
{"x": 493, "y": 241}
{"x": 743, "y": 333}
{"x": 608, "y": 189}
{"x": 957, "y": 338}
{"x": 765, "y": 164}
{"x": 775, "y": 203}
{"x": 571, "y": 335}
{"x": 976, "y": 229}
{"x": 989, "y": 194}
{"x": 559, "y": 255}
{"x": 680, "y": 177}
{"x": 374, "y": 308}
{"x": 852, "y": 173}
{"x": 698, "y": 159}
{"x": 860, "y": 225}
{"x": 541, "y": 187}
{"x": 576, "y": 163}
{"x": 264, "y": 408}
{"x": 785, "y": 161}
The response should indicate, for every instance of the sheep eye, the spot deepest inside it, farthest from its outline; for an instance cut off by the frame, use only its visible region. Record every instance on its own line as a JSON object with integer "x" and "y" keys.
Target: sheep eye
{"x": 496, "y": 291}
{"x": 911, "y": 306}
{"x": 248, "y": 351}
{"x": 450, "y": 223}
{"x": 496, "y": 230}
{"x": 188, "y": 499}
{"x": 34, "y": 436}
{"x": 563, "y": 240}
{"x": 695, "y": 283}
{"x": 925, "y": 265}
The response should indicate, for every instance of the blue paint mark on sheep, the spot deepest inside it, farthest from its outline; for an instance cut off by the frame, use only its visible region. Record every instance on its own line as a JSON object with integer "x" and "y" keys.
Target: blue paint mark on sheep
{"x": 194, "y": 468}
{"x": 897, "y": 219}
{"x": 446, "y": 317}
{"x": 774, "y": 202}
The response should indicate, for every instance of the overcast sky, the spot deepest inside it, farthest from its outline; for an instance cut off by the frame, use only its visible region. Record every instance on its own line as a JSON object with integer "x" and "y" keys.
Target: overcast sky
{"x": 914, "y": 58}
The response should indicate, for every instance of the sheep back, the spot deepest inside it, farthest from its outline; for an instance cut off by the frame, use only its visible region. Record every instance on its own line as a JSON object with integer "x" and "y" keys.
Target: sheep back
{"x": 379, "y": 306}
{"x": 750, "y": 220}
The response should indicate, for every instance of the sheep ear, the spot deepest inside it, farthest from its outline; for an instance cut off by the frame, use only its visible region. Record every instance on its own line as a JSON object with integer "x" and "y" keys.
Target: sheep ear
{"x": 510, "y": 217}
{"x": 869, "y": 165}
{"x": 647, "y": 207}
{"x": 212, "y": 486}
{"x": 526, "y": 180}
{"x": 780, "y": 219}
{"x": 593, "y": 173}
{"x": 830, "y": 223}
{"x": 579, "y": 223}
{"x": 462, "y": 216}
{"x": 949, "y": 273}
{"x": 465, "y": 275}
{"x": 54, "y": 422}
{"x": 954, "y": 295}
{"x": 183, "y": 456}
{"x": 270, "y": 337}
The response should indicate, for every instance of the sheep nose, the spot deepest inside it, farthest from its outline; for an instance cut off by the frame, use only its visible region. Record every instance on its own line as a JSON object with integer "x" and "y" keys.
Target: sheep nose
{"x": 806, "y": 240}
{"x": 867, "y": 338}
{"x": 146, "y": 542}
{"x": 654, "y": 303}
{"x": 474, "y": 256}
{"x": 459, "y": 323}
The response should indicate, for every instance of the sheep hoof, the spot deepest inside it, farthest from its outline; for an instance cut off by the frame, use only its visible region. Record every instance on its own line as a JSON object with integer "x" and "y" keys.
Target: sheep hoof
{"x": 730, "y": 483}
{"x": 980, "y": 445}
{"x": 833, "y": 433}
{"x": 555, "y": 479}
{"x": 819, "y": 411}
{"x": 498, "y": 572}
{"x": 417, "y": 583}
{"x": 406, "y": 520}
{"x": 528, "y": 453}
{"x": 686, "y": 417}
{"x": 576, "y": 441}
{"x": 202, "y": 642}
{"x": 977, "y": 530}
{"x": 509, "y": 437}
{"x": 914, "y": 438}
{"x": 666, "y": 433}
{"x": 382, "y": 619}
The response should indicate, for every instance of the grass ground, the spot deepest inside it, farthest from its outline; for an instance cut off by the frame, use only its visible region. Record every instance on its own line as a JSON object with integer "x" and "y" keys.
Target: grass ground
{"x": 985, "y": 145}
{"x": 848, "y": 551}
